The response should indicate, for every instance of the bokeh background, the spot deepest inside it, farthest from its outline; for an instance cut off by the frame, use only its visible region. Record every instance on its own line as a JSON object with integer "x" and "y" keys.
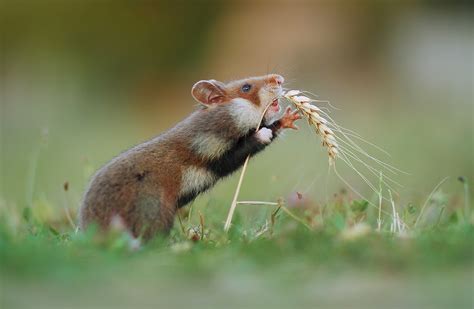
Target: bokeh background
{"x": 82, "y": 81}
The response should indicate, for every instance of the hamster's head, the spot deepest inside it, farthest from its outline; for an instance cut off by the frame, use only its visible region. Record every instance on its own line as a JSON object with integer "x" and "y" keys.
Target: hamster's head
{"x": 245, "y": 99}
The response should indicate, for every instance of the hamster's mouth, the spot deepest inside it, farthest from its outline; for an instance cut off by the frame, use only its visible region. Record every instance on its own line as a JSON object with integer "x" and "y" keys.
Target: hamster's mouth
{"x": 275, "y": 106}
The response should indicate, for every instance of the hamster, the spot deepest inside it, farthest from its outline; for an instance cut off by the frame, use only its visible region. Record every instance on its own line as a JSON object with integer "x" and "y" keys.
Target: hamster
{"x": 146, "y": 184}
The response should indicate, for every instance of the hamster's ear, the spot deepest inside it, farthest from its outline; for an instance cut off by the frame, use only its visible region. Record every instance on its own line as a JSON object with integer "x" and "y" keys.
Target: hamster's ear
{"x": 208, "y": 92}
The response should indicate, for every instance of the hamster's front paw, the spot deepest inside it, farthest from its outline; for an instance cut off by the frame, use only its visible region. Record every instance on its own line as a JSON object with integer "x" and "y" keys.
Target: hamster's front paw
{"x": 264, "y": 135}
{"x": 288, "y": 119}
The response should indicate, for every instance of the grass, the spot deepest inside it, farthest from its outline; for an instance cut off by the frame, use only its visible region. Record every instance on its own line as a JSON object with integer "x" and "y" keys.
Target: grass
{"x": 330, "y": 254}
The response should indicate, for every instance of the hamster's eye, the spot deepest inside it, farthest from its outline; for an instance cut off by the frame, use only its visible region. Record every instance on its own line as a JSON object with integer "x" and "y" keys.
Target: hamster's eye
{"x": 246, "y": 87}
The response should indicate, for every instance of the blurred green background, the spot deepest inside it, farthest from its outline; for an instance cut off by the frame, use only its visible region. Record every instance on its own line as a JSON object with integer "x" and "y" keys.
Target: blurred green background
{"x": 81, "y": 81}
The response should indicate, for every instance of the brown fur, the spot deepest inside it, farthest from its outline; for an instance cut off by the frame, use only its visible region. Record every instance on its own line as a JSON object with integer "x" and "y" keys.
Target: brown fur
{"x": 147, "y": 175}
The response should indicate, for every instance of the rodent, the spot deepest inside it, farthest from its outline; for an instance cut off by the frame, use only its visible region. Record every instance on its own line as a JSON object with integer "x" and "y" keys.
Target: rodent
{"x": 146, "y": 184}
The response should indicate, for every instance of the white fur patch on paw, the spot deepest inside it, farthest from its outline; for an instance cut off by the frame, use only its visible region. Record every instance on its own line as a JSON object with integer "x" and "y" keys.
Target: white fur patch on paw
{"x": 264, "y": 135}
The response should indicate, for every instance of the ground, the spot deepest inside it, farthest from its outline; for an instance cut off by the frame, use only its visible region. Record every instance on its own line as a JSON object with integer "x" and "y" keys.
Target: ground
{"x": 329, "y": 256}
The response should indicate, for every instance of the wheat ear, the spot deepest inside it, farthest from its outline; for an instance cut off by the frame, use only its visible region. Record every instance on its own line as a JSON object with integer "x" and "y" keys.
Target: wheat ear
{"x": 313, "y": 114}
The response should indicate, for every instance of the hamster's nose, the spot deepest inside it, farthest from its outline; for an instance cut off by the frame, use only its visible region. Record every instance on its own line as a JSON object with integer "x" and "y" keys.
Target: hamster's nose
{"x": 276, "y": 79}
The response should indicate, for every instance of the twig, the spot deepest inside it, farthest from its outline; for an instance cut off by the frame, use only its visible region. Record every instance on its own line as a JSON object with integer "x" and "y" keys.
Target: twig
{"x": 258, "y": 203}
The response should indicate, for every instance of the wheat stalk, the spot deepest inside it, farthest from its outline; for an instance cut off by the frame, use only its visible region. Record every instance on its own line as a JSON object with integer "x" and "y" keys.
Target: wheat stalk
{"x": 313, "y": 114}
{"x": 340, "y": 144}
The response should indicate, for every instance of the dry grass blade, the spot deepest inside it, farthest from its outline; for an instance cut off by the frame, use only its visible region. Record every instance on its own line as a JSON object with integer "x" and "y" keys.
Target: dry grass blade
{"x": 420, "y": 215}
{"x": 201, "y": 222}
{"x": 233, "y": 205}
